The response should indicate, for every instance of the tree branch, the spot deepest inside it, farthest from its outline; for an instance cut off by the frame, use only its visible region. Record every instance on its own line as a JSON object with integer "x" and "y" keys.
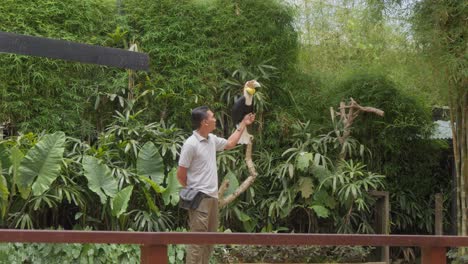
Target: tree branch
{"x": 347, "y": 119}
{"x": 223, "y": 201}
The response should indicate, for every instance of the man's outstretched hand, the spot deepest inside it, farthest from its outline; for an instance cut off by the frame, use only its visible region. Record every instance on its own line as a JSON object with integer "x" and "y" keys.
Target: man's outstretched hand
{"x": 249, "y": 119}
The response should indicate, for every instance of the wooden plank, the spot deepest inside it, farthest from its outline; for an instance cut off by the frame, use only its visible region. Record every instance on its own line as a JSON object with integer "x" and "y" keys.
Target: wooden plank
{"x": 154, "y": 254}
{"x": 166, "y": 238}
{"x": 72, "y": 51}
{"x": 433, "y": 255}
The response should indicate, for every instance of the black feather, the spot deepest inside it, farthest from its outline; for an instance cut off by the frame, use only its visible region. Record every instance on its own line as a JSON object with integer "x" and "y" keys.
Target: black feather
{"x": 240, "y": 109}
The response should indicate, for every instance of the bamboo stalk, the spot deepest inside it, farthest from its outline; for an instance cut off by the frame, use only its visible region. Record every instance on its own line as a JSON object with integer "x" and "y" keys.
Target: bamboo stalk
{"x": 464, "y": 156}
{"x": 460, "y": 182}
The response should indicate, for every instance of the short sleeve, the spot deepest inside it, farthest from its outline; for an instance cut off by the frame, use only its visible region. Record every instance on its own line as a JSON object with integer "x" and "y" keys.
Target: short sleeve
{"x": 186, "y": 155}
{"x": 220, "y": 143}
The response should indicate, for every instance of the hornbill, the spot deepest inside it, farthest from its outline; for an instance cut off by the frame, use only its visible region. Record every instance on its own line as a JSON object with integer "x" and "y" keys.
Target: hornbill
{"x": 243, "y": 106}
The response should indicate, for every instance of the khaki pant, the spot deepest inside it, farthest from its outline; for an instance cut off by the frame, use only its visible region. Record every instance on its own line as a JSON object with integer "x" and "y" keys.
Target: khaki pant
{"x": 202, "y": 219}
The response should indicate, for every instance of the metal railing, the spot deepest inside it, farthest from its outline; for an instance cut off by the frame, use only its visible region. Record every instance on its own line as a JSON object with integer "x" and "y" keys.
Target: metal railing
{"x": 154, "y": 244}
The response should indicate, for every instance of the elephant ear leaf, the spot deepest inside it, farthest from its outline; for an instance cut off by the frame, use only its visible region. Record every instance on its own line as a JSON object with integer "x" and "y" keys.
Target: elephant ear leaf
{"x": 4, "y": 156}
{"x": 3, "y": 193}
{"x": 16, "y": 157}
{"x": 100, "y": 178}
{"x": 41, "y": 165}
{"x": 120, "y": 201}
{"x": 150, "y": 163}
{"x": 171, "y": 195}
{"x": 156, "y": 187}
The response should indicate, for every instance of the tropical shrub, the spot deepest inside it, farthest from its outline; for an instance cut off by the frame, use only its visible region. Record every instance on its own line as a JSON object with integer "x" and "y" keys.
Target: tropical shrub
{"x": 68, "y": 253}
{"x": 299, "y": 254}
{"x": 118, "y": 183}
{"x": 400, "y": 146}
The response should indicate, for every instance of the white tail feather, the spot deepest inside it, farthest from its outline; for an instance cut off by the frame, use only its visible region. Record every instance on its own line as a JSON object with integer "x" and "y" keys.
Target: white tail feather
{"x": 245, "y": 138}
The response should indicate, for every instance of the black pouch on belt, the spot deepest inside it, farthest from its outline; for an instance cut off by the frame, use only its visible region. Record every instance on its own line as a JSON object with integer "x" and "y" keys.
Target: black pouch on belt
{"x": 190, "y": 198}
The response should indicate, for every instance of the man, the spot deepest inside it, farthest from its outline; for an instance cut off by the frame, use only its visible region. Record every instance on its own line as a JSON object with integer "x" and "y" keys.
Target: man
{"x": 198, "y": 170}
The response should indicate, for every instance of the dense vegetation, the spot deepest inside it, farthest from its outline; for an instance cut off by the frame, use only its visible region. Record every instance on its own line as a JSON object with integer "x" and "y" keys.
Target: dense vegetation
{"x": 88, "y": 147}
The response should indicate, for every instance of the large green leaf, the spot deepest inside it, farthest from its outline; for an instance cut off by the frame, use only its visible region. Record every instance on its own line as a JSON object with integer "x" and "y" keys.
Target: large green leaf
{"x": 305, "y": 186}
{"x": 15, "y": 157}
{"x": 100, "y": 178}
{"x": 303, "y": 160}
{"x": 41, "y": 164}
{"x": 320, "y": 211}
{"x": 233, "y": 183}
{"x": 243, "y": 217}
{"x": 323, "y": 198}
{"x": 171, "y": 195}
{"x": 150, "y": 202}
{"x": 4, "y": 156}
{"x": 150, "y": 163}
{"x": 156, "y": 187}
{"x": 120, "y": 201}
{"x": 3, "y": 193}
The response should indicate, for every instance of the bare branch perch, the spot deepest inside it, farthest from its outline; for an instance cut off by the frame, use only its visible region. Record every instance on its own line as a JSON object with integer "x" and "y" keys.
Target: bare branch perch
{"x": 223, "y": 201}
{"x": 347, "y": 119}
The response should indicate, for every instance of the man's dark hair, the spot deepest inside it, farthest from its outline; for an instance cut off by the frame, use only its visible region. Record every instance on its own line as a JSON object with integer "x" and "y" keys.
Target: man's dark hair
{"x": 198, "y": 114}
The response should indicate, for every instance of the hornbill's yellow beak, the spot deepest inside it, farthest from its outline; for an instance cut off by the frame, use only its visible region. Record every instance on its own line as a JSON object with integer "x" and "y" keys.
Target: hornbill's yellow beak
{"x": 250, "y": 91}
{"x": 251, "y": 85}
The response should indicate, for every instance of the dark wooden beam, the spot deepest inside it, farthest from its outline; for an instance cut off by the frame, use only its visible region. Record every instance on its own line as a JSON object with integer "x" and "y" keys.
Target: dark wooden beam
{"x": 154, "y": 245}
{"x": 166, "y": 238}
{"x": 72, "y": 51}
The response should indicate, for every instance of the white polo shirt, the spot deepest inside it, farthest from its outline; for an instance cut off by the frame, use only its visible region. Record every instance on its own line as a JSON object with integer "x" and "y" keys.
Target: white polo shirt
{"x": 198, "y": 155}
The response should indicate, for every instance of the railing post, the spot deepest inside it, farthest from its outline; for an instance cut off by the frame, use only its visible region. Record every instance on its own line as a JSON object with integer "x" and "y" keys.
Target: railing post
{"x": 151, "y": 254}
{"x": 438, "y": 220}
{"x": 433, "y": 255}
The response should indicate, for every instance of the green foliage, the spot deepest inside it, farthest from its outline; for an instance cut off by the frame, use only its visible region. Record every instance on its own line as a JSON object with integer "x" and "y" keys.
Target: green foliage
{"x": 441, "y": 28}
{"x": 43, "y": 94}
{"x": 346, "y": 35}
{"x": 120, "y": 201}
{"x": 68, "y": 253}
{"x": 299, "y": 254}
{"x": 398, "y": 142}
{"x": 131, "y": 125}
{"x": 108, "y": 168}
{"x": 100, "y": 178}
{"x": 171, "y": 195}
{"x": 196, "y": 47}
{"x": 41, "y": 165}
{"x": 150, "y": 163}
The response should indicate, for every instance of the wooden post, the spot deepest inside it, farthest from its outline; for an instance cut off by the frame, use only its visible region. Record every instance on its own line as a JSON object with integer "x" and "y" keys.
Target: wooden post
{"x": 154, "y": 254}
{"x": 382, "y": 219}
{"x": 433, "y": 255}
{"x": 438, "y": 214}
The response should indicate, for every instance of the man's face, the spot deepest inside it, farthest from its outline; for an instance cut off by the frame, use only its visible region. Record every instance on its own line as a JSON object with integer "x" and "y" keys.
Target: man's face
{"x": 210, "y": 121}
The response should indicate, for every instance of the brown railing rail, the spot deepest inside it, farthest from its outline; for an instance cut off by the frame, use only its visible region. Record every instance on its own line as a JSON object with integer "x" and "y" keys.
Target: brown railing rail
{"x": 154, "y": 245}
